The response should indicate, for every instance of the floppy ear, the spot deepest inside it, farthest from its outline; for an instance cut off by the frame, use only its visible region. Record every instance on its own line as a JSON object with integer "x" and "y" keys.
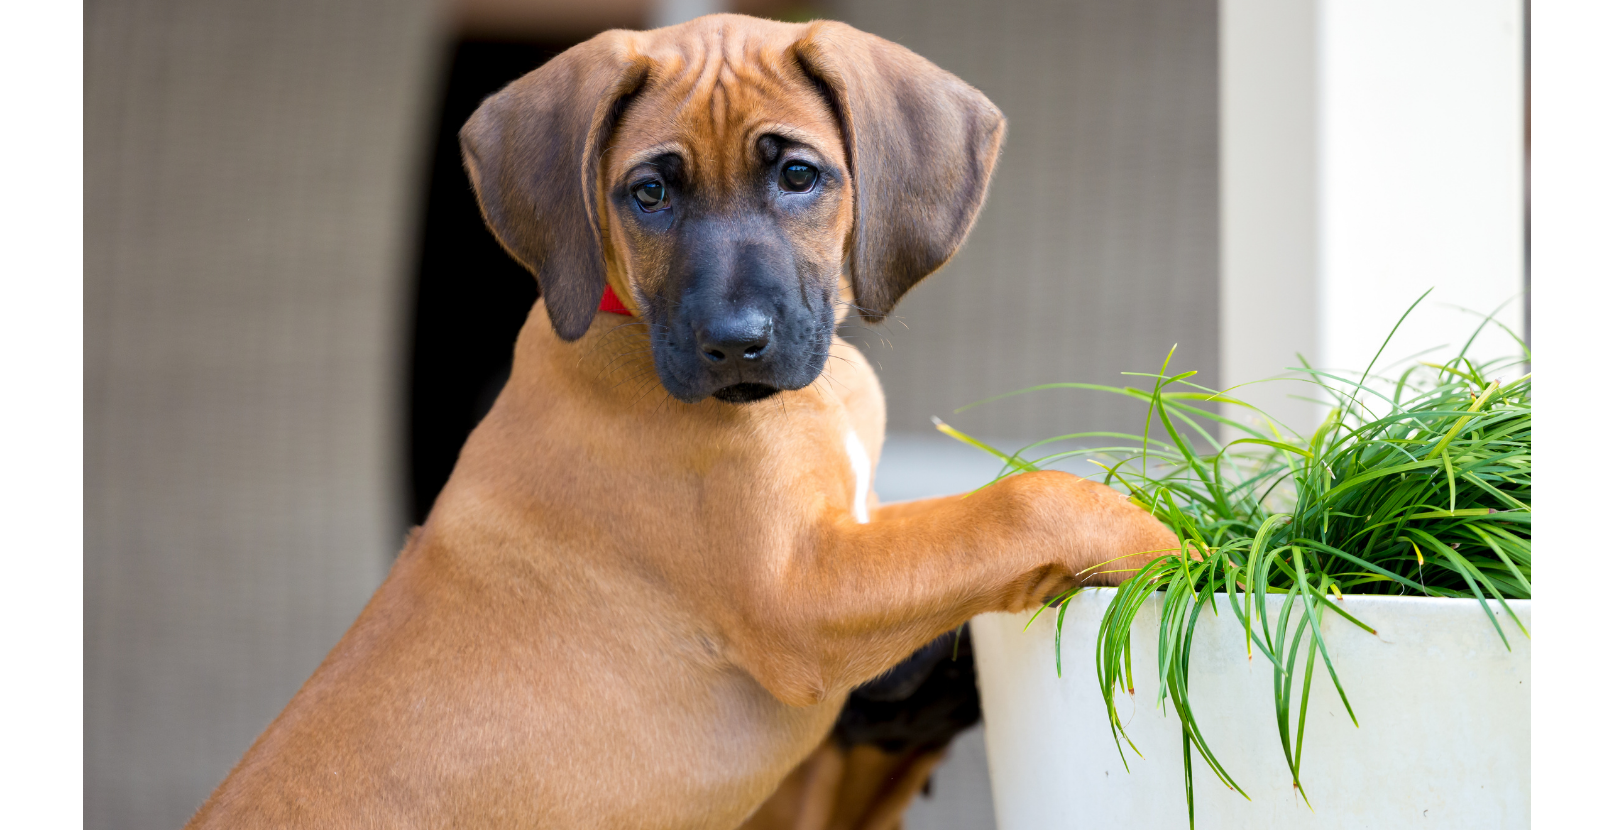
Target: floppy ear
{"x": 921, "y": 145}
{"x": 533, "y": 151}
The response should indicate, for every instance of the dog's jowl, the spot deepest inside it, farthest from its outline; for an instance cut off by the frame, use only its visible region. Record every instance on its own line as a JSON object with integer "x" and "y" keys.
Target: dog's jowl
{"x": 658, "y": 572}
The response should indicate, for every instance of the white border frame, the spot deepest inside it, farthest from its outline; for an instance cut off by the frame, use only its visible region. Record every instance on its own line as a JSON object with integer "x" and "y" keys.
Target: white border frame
{"x": 1565, "y": 191}
{"x": 41, "y": 345}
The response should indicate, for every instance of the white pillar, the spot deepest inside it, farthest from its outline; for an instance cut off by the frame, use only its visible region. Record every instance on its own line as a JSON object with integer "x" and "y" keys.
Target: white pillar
{"x": 1371, "y": 149}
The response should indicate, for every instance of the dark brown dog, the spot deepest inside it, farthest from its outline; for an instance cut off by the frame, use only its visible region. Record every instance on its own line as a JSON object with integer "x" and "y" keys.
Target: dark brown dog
{"x": 646, "y": 591}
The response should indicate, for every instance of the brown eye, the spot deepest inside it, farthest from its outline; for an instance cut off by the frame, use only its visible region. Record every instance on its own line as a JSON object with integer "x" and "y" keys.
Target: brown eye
{"x": 797, "y": 178}
{"x": 652, "y": 195}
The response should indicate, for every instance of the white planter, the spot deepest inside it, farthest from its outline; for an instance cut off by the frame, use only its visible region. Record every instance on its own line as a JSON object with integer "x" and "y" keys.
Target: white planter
{"x": 1443, "y": 742}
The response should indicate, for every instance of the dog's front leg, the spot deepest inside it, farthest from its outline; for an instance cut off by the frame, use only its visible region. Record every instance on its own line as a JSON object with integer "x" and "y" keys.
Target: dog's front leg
{"x": 861, "y": 597}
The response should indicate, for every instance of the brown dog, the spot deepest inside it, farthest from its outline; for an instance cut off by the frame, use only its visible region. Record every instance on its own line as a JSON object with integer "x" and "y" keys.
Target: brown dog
{"x": 647, "y": 589}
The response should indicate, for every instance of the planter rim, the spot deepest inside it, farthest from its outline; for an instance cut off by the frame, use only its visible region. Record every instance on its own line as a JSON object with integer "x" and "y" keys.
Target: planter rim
{"x": 1365, "y": 598}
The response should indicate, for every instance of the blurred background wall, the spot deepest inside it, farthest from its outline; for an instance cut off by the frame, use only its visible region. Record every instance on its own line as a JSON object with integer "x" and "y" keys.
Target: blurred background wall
{"x": 251, "y": 177}
{"x": 293, "y": 315}
{"x": 1097, "y": 250}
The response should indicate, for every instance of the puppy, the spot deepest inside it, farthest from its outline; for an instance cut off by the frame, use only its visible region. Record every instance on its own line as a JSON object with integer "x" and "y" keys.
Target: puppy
{"x": 658, "y": 569}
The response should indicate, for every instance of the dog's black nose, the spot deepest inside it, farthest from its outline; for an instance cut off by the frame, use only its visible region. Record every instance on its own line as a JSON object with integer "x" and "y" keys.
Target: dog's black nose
{"x": 741, "y": 335}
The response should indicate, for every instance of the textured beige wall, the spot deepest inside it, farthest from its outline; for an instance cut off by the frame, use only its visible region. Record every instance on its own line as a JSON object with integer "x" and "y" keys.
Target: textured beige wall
{"x": 250, "y": 171}
{"x": 1098, "y": 248}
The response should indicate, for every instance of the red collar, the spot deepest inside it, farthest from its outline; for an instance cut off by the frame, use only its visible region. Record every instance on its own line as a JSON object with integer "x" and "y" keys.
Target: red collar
{"x": 610, "y": 302}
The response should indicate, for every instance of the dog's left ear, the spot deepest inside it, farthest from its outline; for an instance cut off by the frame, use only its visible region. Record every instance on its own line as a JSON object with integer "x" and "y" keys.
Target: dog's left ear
{"x": 533, "y": 151}
{"x": 921, "y": 145}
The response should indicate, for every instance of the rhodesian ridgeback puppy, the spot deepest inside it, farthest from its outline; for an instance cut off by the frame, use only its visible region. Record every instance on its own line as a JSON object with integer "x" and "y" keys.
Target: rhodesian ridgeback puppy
{"x": 658, "y": 568}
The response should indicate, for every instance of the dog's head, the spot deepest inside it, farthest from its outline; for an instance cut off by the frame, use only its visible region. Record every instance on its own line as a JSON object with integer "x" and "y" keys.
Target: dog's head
{"x": 722, "y": 175}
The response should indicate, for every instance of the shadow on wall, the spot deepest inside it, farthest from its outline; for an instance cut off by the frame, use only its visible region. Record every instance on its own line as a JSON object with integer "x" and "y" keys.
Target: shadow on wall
{"x": 471, "y": 297}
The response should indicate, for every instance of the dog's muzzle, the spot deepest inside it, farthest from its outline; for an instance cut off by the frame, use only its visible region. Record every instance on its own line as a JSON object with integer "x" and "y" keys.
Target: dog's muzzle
{"x": 749, "y": 318}
{"x": 741, "y": 353}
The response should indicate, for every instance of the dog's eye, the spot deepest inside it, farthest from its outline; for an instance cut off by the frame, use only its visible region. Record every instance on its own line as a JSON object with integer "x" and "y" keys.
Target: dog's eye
{"x": 797, "y": 178}
{"x": 652, "y": 195}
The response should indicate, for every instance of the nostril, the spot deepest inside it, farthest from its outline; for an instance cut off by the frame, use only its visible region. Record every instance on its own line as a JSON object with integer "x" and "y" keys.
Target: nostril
{"x": 743, "y": 333}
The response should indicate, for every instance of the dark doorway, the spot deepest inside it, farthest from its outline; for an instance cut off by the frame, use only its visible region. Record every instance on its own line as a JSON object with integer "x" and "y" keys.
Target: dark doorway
{"x": 470, "y": 298}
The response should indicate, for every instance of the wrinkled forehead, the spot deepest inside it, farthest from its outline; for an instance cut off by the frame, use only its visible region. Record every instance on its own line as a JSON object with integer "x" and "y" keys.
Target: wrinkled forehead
{"x": 710, "y": 98}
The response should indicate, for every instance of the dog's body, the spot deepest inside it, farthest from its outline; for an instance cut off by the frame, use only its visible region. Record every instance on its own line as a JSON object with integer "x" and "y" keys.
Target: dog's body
{"x": 631, "y": 606}
{"x": 564, "y": 647}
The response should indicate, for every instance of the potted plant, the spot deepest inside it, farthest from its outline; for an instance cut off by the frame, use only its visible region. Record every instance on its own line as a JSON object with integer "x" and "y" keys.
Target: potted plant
{"x": 1341, "y": 642}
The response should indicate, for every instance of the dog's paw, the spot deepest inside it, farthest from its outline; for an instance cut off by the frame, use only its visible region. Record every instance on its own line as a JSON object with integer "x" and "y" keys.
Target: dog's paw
{"x": 1101, "y": 536}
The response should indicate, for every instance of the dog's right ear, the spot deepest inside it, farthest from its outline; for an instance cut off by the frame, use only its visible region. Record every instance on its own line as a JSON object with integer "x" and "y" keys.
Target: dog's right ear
{"x": 533, "y": 151}
{"x": 921, "y": 146}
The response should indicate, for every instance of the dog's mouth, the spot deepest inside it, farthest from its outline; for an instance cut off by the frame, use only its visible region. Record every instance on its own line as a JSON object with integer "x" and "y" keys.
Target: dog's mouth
{"x": 744, "y": 392}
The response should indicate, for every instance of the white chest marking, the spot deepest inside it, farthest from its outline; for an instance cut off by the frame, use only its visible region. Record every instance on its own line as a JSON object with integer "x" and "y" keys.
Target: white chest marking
{"x": 861, "y": 465}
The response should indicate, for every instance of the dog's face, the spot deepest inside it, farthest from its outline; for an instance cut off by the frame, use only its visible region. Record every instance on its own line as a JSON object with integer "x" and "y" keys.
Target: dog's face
{"x": 727, "y": 205}
{"x": 721, "y": 174}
